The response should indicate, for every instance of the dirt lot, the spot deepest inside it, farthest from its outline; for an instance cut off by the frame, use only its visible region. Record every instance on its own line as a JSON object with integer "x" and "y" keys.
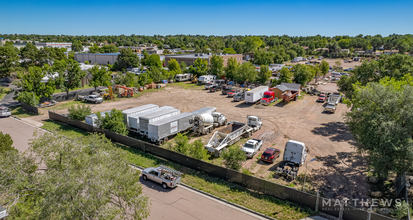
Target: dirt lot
{"x": 338, "y": 171}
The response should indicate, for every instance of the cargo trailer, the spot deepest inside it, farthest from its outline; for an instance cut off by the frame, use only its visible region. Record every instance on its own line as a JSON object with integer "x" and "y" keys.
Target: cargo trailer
{"x": 160, "y": 131}
{"x": 92, "y": 119}
{"x": 255, "y": 95}
{"x": 145, "y": 120}
{"x": 134, "y": 111}
{"x": 134, "y": 119}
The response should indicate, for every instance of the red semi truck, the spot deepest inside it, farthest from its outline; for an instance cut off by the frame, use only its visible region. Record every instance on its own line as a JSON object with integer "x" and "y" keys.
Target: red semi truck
{"x": 268, "y": 98}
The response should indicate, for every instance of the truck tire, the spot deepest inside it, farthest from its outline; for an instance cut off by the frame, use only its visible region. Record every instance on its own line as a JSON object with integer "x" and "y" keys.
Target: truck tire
{"x": 128, "y": 95}
{"x": 144, "y": 177}
{"x": 164, "y": 186}
{"x": 119, "y": 95}
{"x": 160, "y": 142}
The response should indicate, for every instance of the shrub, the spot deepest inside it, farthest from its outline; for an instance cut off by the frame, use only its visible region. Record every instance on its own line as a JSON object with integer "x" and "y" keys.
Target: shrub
{"x": 6, "y": 143}
{"x": 113, "y": 121}
{"x": 234, "y": 157}
{"x": 198, "y": 151}
{"x": 182, "y": 145}
{"x": 86, "y": 62}
{"x": 79, "y": 112}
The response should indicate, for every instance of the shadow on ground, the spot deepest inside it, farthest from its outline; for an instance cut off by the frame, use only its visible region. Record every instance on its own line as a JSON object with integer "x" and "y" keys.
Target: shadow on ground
{"x": 336, "y": 131}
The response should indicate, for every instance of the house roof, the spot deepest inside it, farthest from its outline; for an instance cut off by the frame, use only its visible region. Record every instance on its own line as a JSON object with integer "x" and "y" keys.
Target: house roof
{"x": 289, "y": 86}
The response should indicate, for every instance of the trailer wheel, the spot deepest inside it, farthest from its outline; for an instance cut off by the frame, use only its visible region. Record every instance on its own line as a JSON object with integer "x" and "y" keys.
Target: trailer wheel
{"x": 160, "y": 142}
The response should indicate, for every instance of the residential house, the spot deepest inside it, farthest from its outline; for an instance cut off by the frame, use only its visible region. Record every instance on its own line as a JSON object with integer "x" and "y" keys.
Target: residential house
{"x": 286, "y": 87}
{"x": 345, "y": 50}
{"x": 189, "y": 59}
{"x": 390, "y": 52}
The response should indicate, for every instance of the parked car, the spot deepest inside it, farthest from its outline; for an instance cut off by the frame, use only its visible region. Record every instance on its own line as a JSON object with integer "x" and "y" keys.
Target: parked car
{"x": 270, "y": 155}
{"x": 208, "y": 85}
{"x": 330, "y": 108}
{"x": 4, "y": 112}
{"x": 252, "y": 147}
{"x": 344, "y": 74}
{"x": 239, "y": 97}
{"x": 322, "y": 97}
{"x": 215, "y": 88}
{"x": 168, "y": 177}
{"x": 233, "y": 92}
{"x": 5, "y": 81}
{"x": 349, "y": 69}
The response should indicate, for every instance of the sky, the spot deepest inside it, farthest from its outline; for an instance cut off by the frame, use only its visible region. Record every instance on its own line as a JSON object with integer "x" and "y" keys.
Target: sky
{"x": 207, "y": 17}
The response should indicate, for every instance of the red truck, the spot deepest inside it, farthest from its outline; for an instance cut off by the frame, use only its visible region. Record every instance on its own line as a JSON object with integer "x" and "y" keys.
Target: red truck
{"x": 268, "y": 98}
{"x": 322, "y": 97}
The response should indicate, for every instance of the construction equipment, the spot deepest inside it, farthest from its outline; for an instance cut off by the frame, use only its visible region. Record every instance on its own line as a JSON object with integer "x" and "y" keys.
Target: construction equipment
{"x": 123, "y": 91}
{"x": 194, "y": 79}
{"x": 107, "y": 94}
{"x": 294, "y": 156}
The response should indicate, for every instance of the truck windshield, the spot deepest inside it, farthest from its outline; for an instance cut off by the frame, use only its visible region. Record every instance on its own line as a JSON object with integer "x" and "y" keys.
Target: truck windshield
{"x": 267, "y": 96}
{"x": 249, "y": 146}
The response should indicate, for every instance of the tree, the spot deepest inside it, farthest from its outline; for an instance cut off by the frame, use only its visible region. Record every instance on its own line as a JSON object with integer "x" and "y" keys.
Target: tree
{"x": 337, "y": 65}
{"x": 174, "y": 66}
{"x": 85, "y": 178}
{"x": 70, "y": 75}
{"x": 182, "y": 146}
{"x": 127, "y": 59}
{"x": 252, "y": 43}
{"x": 316, "y": 71}
{"x": 234, "y": 157}
{"x": 262, "y": 57}
{"x": 100, "y": 76}
{"x": 29, "y": 52}
{"x": 324, "y": 67}
{"x": 183, "y": 67}
{"x": 201, "y": 66}
{"x": 286, "y": 76}
{"x": 345, "y": 85}
{"x": 154, "y": 60}
{"x": 302, "y": 74}
{"x": 232, "y": 68}
{"x": 381, "y": 122}
{"x": 216, "y": 45}
{"x": 246, "y": 72}
{"x": 9, "y": 60}
{"x": 198, "y": 150}
{"x": 229, "y": 51}
{"x": 113, "y": 121}
{"x": 94, "y": 49}
{"x": 6, "y": 143}
{"x": 79, "y": 113}
{"x": 217, "y": 65}
{"x": 77, "y": 46}
{"x": 109, "y": 49}
{"x": 31, "y": 83}
{"x": 264, "y": 74}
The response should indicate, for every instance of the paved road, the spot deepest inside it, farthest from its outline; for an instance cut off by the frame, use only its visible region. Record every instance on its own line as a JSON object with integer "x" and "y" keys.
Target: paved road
{"x": 182, "y": 203}
{"x": 20, "y": 132}
{"x": 8, "y": 100}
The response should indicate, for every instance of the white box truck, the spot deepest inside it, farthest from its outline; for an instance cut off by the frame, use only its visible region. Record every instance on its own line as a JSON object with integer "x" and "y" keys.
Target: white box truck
{"x": 92, "y": 119}
{"x": 255, "y": 95}
{"x": 145, "y": 120}
{"x": 134, "y": 119}
{"x": 134, "y": 111}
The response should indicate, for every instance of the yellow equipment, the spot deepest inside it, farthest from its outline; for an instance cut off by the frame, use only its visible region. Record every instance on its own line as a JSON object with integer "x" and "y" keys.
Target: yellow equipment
{"x": 108, "y": 95}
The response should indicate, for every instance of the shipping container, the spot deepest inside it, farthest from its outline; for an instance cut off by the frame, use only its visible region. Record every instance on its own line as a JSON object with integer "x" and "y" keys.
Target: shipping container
{"x": 134, "y": 111}
{"x": 92, "y": 119}
{"x": 255, "y": 95}
{"x": 134, "y": 119}
{"x": 145, "y": 120}
{"x": 205, "y": 110}
{"x": 160, "y": 131}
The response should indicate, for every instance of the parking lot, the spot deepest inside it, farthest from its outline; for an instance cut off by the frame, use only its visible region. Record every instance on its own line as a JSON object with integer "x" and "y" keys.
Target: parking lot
{"x": 338, "y": 171}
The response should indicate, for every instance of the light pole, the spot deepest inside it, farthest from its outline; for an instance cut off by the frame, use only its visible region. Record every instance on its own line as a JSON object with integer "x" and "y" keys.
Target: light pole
{"x": 305, "y": 175}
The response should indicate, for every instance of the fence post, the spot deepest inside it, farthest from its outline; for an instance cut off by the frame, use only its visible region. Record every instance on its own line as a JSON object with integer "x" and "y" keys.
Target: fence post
{"x": 340, "y": 215}
{"x": 369, "y": 214}
{"x": 316, "y": 203}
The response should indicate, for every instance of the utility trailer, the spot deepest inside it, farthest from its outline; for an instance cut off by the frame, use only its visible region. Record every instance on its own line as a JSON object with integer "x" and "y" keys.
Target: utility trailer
{"x": 294, "y": 156}
{"x": 134, "y": 119}
{"x": 160, "y": 131}
{"x": 232, "y": 133}
{"x": 92, "y": 119}
{"x": 145, "y": 120}
{"x": 255, "y": 95}
{"x": 134, "y": 111}
{"x": 334, "y": 99}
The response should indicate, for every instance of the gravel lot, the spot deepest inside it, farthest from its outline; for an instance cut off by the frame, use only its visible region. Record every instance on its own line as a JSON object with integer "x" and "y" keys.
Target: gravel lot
{"x": 338, "y": 171}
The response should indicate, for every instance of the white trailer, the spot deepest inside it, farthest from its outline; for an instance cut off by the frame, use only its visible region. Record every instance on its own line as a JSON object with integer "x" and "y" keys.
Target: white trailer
{"x": 145, "y": 120}
{"x": 134, "y": 111}
{"x": 92, "y": 119}
{"x": 206, "y": 78}
{"x": 333, "y": 99}
{"x": 255, "y": 95}
{"x": 183, "y": 77}
{"x": 134, "y": 119}
{"x": 295, "y": 154}
{"x": 160, "y": 131}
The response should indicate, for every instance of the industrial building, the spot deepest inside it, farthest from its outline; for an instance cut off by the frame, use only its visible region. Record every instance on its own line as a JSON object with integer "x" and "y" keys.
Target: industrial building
{"x": 189, "y": 59}
{"x": 52, "y": 44}
{"x": 100, "y": 58}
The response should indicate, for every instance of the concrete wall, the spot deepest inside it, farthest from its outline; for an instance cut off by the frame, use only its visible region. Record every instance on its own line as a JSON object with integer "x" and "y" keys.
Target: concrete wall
{"x": 96, "y": 58}
{"x": 29, "y": 108}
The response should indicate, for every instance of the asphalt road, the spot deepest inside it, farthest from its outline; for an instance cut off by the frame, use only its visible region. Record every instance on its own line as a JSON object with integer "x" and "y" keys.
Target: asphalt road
{"x": 170, "y": 204}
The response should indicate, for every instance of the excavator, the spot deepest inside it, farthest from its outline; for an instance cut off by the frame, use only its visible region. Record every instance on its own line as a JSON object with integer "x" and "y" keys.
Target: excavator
{"x": 123, "y": 91}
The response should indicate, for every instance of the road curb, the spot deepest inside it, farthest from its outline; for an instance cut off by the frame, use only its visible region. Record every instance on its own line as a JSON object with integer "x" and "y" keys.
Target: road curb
{"x": 218, "y": 198}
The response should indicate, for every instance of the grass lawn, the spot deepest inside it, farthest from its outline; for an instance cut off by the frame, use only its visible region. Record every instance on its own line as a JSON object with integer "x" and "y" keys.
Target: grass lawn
{"x": 139, "y": 94}
{"x": 188, "y": 85}
{"x": 269, "y": 205}
{"x": 19, "y": 112}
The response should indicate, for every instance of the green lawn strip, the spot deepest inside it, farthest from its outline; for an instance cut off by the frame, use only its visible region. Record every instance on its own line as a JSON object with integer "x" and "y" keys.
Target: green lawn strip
{"x": 187, "y": 85}
{"x": 268, "y": 205}
{"x": 19, "y": 112}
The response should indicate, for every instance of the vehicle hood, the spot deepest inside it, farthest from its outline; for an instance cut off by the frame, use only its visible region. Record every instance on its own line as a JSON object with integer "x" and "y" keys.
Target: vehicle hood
{"x": 265, "y": 99}
{"x": 247, "y": 150}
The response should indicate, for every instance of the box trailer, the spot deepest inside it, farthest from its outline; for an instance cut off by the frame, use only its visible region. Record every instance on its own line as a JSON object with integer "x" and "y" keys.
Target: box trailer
{"x": 294, "y": 156}
{"x": 160, "y": 131}
{"x": 183, "y": 77}
{"x": 134, "y": 111}
{"x": 255, "y": 95}
{"x": 134, "y": 119}
{"x": 205, "y": 110}
{"x": 145, "y": 120}
{"x": 92, "y": 119}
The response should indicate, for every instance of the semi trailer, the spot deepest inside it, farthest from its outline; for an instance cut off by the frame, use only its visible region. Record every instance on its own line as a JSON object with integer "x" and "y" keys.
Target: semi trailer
{"x": 160, "y": 131}
{"x": 145, "y": 120}
{"x": 134, "y": 119}
{"x": 138, "y": 110}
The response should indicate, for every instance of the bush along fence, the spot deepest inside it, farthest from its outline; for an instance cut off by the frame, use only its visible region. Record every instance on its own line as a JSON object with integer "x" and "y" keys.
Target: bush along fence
{"x": 30, "y": 108}
{"x": 329, "y": 206}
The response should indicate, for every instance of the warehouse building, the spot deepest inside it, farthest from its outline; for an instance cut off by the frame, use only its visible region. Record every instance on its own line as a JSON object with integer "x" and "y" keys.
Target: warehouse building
{"x": 189, "y": 59}
{"x": 101, "y": 58}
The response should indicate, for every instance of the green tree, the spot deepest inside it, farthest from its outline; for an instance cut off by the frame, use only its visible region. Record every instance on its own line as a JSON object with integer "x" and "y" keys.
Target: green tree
{"x": 173, "y": 65}
{"x": 232, "y": 68}
{"x": 109, "y": 49}
{"x": 183, "y": 67}
{"x": 182, "y": 146}
{"x": 100, "y": 76}
{"x": 31, "y": 82}
{"x": 6, "y": 143}
{"x": 94, "y": 49}
{"x": 198, "y": 150}
{"x": 302, "y": 74}
{"x": 70, "y": 75}
{"x": 77, "y": 46}
{"x": 217, "y": 65}
{"x": 252, "y": 43}
{"x": 154, "y": 61}
{"x": 229, "y": 51}
{"x": 286, "y": 76}
{"x": 9, "y": 60}
{"x": 29, "y": 52}
{"x": 346, "y": 85}
{"x": 126, "y": 59}
{"x": 201, "y": 66}
{"x": 234, "y": 157}
{"x": 381, "y": 122}
{"x": 85, "y": 177}
{"x": 264, "y": 74}
{"x": 79, "y": 112}
{"x": 246, "y": 72}
{"x": 324, "y": 67}
{"x": 113, "y": 121}
{"x": 216, "y": 45}
{"x": 262, "y": 57}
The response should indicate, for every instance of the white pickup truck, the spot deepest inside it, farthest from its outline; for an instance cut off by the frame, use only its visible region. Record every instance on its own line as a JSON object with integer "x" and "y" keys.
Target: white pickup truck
{"x": 4, "y": 112}
{"x": 168, "y": 177}
{"x": 93, "y": 98}
{"x": 252, "y": 147}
